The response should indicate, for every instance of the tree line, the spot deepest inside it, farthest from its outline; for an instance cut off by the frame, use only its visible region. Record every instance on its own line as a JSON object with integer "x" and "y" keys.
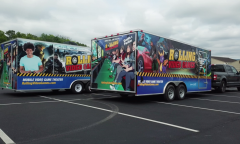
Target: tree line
{"x": 11, "y": 34}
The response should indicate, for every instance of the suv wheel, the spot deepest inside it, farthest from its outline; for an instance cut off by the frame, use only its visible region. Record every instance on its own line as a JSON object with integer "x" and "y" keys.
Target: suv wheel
{"x": 238, "y": 88}
{"x": 222, "y": 87}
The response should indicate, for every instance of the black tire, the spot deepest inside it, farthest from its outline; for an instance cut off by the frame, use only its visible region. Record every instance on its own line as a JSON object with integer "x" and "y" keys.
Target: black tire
{"x": 87, "y": 87}
{"x": 77, "y": 87}
{"x": 55, "y": 90}
{"x": 140, "y": 64}
{"x": 169, "y": 94}
{"x": 180, "y": 92}
{"x": 123, "y": 95}
{"x": 238, "y": 88}
{"x": 68, "y": 90}
{"x": 222, "y": 87}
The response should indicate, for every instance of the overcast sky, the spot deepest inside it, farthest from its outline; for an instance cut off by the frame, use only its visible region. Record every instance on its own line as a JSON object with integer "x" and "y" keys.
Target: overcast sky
{"x": 210, "y": 24}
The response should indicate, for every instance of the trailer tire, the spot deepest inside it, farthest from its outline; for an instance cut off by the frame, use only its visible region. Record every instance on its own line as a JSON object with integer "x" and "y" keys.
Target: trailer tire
{"x": 55, "y": 90}
{"x": 123, "y": 95}
{"x": 169, "y": 94}
{"x": 238, "y": 88}
{"x": 222, "y": 87}
{"x": 68, "y": 90}
{"x": 77, "y": 87}
{"x": 87, "y": 87}
{"x": 180, "y": 92}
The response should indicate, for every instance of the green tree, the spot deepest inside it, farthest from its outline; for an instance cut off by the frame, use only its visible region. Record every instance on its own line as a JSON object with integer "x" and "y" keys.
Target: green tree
{"x": 3, "y": 38}
{"x": 11, "y": 34}
{"x": 43, "y": 37}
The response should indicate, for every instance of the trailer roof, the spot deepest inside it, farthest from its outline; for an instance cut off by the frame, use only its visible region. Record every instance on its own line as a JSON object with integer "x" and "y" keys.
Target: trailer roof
{"x": 88, "y": 48}
{"x": 136, "y": 30}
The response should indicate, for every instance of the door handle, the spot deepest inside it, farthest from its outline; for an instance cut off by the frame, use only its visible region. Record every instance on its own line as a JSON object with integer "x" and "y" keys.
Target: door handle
{"x": 205, "y": 82}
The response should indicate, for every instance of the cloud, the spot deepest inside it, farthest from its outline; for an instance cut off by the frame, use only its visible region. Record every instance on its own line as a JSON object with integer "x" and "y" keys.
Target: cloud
{"x": 211, "y": 24}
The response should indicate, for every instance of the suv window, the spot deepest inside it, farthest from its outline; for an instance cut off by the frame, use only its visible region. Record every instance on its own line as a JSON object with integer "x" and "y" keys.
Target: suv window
{"x": 234, "y": 70}
{"x": 229, "y": 69}
{"x": 217, "y": 68}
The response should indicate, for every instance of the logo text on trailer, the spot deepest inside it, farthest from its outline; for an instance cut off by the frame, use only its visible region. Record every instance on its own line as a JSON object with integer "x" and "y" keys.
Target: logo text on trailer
{"x": 181, "y": 59}
{"x": 75, "y": 63}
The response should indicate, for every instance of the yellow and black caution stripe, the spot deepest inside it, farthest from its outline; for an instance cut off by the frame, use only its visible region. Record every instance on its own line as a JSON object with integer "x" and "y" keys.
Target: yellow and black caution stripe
{"x": 170, "y": 75}
{"x": 53, "y": 75}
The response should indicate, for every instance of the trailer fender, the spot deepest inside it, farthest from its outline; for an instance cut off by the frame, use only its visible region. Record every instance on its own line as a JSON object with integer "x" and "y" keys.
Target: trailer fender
{"x": 84, "y": 81}
{"x": 175, "y": 83}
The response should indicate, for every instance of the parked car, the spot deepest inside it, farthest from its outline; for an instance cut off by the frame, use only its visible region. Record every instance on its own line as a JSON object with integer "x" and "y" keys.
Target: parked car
{"x": 223, "y": 76}
{"x": 144, "y": 61}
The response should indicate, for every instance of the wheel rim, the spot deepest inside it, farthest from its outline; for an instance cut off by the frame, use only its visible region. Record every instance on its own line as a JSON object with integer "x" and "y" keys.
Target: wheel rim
{"x": 181, "y": 93}
{"x": 223, "y": 87}
{"x": 171, "y": 93}
{"x": 78, "y": 87}
{"x": 140, "y": 66}
{"x": 89, "y": 88}
{"x": 74, "y": 60}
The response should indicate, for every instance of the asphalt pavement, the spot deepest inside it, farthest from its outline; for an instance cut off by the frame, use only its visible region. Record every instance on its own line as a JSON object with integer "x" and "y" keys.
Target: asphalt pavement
{"x": 44, "y": 117}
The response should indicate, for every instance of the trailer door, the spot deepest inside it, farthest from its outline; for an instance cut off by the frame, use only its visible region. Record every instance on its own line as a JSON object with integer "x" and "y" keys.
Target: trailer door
{"x": 202, "y": 76}
{"x": 6, "y": 64}
{"x": 113, "y": 63}
{"x": 1, "y": 67}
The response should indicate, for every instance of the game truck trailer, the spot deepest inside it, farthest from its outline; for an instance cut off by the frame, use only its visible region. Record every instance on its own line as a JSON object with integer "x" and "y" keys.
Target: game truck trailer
{"x": 141, "y": 63}
{"x": 37, "y": 65}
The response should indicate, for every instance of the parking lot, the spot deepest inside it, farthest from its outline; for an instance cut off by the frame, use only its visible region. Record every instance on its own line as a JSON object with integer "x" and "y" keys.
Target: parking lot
{"x": 44, "y": 117}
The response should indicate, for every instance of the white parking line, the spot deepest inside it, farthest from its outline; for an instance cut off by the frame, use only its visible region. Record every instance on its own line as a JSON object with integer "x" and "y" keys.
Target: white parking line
{"x": 159, "y": 122}
{"x": 197, "y": 107}
{"x": 215, "y": 100}
{"x": 6, "y": 104}
{"x": 25, "y": 103}
{"x": 194, "y": 107}
{"x": 222, "y": 95}
{"x": 5, "y": 138}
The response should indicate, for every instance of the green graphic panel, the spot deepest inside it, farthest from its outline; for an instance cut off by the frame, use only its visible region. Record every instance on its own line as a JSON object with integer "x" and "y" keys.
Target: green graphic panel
{"x": 103, "y": 76}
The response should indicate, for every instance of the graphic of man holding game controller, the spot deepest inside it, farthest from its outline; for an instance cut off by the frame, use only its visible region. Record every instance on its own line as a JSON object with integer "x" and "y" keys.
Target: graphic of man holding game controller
{"x": 30, "y": 63}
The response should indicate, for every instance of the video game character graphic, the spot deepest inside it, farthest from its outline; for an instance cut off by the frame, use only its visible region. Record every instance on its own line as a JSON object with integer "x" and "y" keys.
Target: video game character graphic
{"x": 162, "y": 63}
{"x": 39, "y": 47}
{"x": 140, "y": 42}
{"x": 163, "y": 57}
{"x": 56, "y": 63}
{"x": 153, "y": 55}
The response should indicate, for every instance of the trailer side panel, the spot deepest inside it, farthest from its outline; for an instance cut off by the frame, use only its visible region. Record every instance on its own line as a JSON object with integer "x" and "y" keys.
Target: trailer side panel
{"x": 161, "y": 61}
{"x": 62, "y": 65}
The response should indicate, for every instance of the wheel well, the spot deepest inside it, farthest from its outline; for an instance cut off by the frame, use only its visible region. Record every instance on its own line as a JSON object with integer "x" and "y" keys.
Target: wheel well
{"x": 175, "y": 85}
{"x": 224, "y": 80}
{"x": 184, "y": 85}
{"x": 170, "y": 83}
{"x": 77, "y": 81}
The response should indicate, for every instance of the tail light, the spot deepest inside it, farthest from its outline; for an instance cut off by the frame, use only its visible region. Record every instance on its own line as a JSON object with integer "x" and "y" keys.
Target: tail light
{"x": 214, "y": 77}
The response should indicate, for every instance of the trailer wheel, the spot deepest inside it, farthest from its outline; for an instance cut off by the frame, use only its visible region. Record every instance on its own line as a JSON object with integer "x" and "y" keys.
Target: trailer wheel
{"x": 169, "y": 93}
{"x": 68, "y": 90}
{"x": 180, "y": 92}
{"x": 55, "y": 90}
{"x": 222, "y": 87}
{"x": 87, "y": 87}
{"x": 123, "y": 95}
{"x": 77, "y": 87}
